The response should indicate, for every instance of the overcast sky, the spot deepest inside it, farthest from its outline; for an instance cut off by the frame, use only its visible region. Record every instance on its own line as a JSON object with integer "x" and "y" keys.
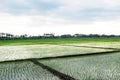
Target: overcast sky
{"x": 35, "y": 17}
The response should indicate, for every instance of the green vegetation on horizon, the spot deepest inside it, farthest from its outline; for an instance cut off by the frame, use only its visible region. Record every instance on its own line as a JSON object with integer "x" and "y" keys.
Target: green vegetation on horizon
{"x": 57, "y": 41}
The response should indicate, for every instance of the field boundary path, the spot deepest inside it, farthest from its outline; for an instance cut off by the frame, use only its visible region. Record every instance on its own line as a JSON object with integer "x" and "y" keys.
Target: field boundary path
{"x": 53, "y": 71}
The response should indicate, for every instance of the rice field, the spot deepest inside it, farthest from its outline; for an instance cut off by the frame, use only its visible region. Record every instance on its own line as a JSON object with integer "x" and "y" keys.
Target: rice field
{"x": 99, "y": 44}
{"x": 102, "y": 67}
{"x": 86, "y": 67}
{"x": 24, "y": 71}
{"x": 41, "y": 51}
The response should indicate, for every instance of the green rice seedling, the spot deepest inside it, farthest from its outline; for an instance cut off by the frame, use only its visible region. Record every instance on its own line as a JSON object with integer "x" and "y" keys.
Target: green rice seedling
{"x": 41, "y": 51}
{"x": 24, "y": 71}
{"x": 100, "y": 67}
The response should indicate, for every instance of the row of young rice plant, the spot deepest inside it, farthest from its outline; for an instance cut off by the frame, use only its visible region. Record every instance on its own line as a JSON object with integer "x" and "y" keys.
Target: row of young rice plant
{"x": 41, "y": 51}
{"x": 24, "y": 71}
{"x": 102, "y": 67}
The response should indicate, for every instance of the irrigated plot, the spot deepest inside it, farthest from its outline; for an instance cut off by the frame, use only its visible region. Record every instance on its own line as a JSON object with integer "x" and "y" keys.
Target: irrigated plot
{"x": 114, "y": 45}
{"x": 24, "y": 71}
{"x": 102, "y": 67}
{"x": 41, "y": 51}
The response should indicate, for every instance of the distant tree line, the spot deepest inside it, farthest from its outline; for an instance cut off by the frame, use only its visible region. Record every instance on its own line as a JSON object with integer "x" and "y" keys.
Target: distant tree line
{"x": 8, "y": 36}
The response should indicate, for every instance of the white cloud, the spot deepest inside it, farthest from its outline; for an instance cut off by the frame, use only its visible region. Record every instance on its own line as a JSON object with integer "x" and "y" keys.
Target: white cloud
{"x": 44, "y": 24}
{"x": 91, "y": 3}
{"x": 78, "y": 16}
